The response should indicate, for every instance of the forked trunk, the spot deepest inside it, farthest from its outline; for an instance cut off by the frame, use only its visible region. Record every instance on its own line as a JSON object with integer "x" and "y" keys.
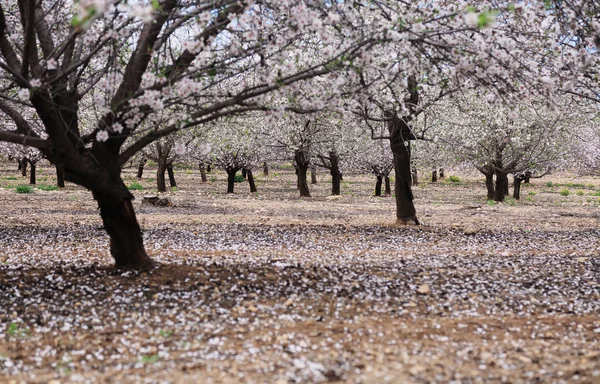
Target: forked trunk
{"x": 250, "y": 177}
{"x": 388, "y": 187}
{"x": 32, "y": 173}
{"x": 203, "y": 173}
{"x": 161, "y": 184}
{"x": 378, "y": 185}
{"x": 60, "y": 176}
{"x": 171, "y": 176}
{"x": 231, "y": 179}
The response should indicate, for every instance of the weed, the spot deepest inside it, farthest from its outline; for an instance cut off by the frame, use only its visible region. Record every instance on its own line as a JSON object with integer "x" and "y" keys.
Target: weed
{"x": 150, "y": 180}
{"x": 24, "y": 189}
{"x": 174, "y": 189}
{"x": 454, "y": 179}
{"x": 529, "y": 199}
{"x": 510, "y": 201}
{"x": 15, "y": 331}
{"x": 579, "y": 192}
{"x": 213, "y": 179}
{"x": 149, "y": 359}
{"x": 238, "y": 179}
{"x": 490, "y": 202}
{"x": 597, "y": 193}
{"x": 10, "y": 178}
{"x": 575, "y": 185}
{"x": 168, "y": 333}
{"x": 135, "y": 186}
{"x": 591, "y": 186}
{"x": 44, "y": 187}
{"x": 549, "y": 184}
{"x": 565, "y": 192}
{"x": 532, "y": 193}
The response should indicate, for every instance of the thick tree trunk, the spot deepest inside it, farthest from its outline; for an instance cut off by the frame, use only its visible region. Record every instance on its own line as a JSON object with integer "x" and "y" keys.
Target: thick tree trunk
{"x": 489, "y": 183}
{"x": 336, "y": 175}
{"x": 313, "y": 174}
{"x": 231, "y": 179}
{"x": 23, "y": 167}
{"x": 203, "y": 173}
{"x": 60, "y": 176}
{"x": 378, "y": 185}
{"x": 415, "y": 176}
{"x": 388, "y": 187}
{"x": 434, "y": 177}
{"x": 517, "y": 187}
{"x": 126, "y": 242}
{"x": 32, "y": 173}
{"x": 251, "y": 181}
{"x": 171, "y": 176}
{"x": 244, "y": 173}
{"x": 208, "y": 168}
{"x": 161, "y": 184}
{"x": 302, "y": 164}
{"x": 501, "y": 186}
{"x": 527, "y": 177}
{"x": 265, "y": 169}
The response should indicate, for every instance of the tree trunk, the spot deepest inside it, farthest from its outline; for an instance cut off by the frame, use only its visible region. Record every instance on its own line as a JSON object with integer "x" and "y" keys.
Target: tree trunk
{"x": 313, "y": 174}
{"x": 251, "y": 180}
{"x": 489, "y": 183}
{"x": 400, "y": 134}
{"x": 120, "y": 222}
{"x": 203, "y": 173}
{"x": 141, "y": 165}
{"x": 208, "y": 168}
{"x": 335, "y": 173}
{"x": 60, "y": 176}
{"x": 527, "y": 177}
{"x": 161, "y": 184}
{"x": 378, "y": 186}
{"x": 434, "y": 176}
{"x": 32, "y": 173}
{"x": 388, "y": 187}
{"x": 244, "y": 173}
{"x": 231, "y": 179}
{"x": 501, "y": 186}
{"x": 415, "y": 178}
{"x": 171, "y": 176}
{"x": 265, "y": 169}
{"x": 517, "y": 187}
{"x": 19, "y": 165}
{"x": 442, "y": 176}
{"x": 302, "y": 162}
{"x": 23, "y": 167}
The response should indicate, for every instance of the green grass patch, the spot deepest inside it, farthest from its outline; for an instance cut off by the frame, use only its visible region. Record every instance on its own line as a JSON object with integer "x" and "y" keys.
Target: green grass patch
{"x": 238, "y": 179}
{"x": 550, "y": 184}
{"x": 565, "y": 192}
{"x": 45, "y": 187}
{"x": 24, "y": 189}
{"x": 454, "y": 179}
{"x": 575, "y": 185}
{"x": 579, "y": 192}
{"x": 11, "y": 178}
{"x": 149, "y": 359}
{"x": 135, "y": 186}
{"x": 490, "y": 202}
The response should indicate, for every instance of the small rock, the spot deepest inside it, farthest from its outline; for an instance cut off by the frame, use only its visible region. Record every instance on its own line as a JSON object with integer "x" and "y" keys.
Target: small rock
{"x": 424, "y": 289}
{"x": 471, "y": 231}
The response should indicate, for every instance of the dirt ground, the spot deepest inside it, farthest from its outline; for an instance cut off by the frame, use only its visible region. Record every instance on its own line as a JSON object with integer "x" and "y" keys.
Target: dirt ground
{"x": 273, "y": 288}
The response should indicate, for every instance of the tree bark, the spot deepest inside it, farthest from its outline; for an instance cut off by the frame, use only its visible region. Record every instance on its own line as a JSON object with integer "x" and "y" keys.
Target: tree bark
{"x": 265, "y": 169}
{"x": 434, "y": 176}
{"x": 441, "y": 173}
{"x": 527, "y": 177}
{"x": 517, "y": 187}
{"x": 313, "y": 174}
{"x": 23, "y": 167}
{"x": 208, "y": 168}
{"x": 231, "y": 179}
{"x": 32, "y": 172}
{"x": 501, "y": 186}
{"x": 415, "y": 176}
{"x": 489, "y": 183}
{"x": 244, "y": 173}
{"x": 388, "y": 187}
{"x": 141, "y": 165}
{"x": 302, "y": 163}
{"x": 60, "y": 176}
{"x": 251, "y": 181}
{"x": 171, "y": 176}
{"x": 161, "y": 184}
{"x": 336, "y": 175}
{"x": 378, "y": 185}
{"x": 203, "y": 173}
{"x": 400, "y": 134}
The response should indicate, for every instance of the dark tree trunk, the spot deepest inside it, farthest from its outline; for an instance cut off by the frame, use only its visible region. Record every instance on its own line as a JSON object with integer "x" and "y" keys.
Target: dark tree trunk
{"x": 399, "y": 134}
{"x": 244, "y": 173}
{"x": 23, "y": 167}
{"x": 161, "y": 184}
{"x": 126, "y": 242}
{"x": 415, "y": 178}
{"x": 527, "y": 177}
{"x": 313, "y": 174}
{"x": 336, "y": 175}
{"x": 378, "y": 185}
{"x": 251, "y": 181}
{"x": 517, "y": 187}
{"x": 141, "y": 165}
{"x": 60, "y": 176}
{"x": 203, "y": 173}
{"x": 231, "y": 179}
{"x": 208, "y": 168}
{"x": 501, "y": 186}
{"x": 302, "y": 163}
{"x": 388, "y": 187}
{"x": 434, "y": 176}
{"x": 171, "y": 176}
{"x": 489, "y": 183}
{"x": 32, "y": 172}
{"x": 265, "y": 169}
{"x": 442, "y": 176}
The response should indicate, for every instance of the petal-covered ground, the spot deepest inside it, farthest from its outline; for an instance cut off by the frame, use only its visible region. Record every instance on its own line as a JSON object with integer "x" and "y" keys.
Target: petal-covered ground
{"x": 273, "y": 288}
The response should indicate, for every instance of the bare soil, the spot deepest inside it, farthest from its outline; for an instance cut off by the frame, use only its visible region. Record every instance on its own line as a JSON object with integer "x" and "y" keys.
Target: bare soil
{"x": 274, "y": 288}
